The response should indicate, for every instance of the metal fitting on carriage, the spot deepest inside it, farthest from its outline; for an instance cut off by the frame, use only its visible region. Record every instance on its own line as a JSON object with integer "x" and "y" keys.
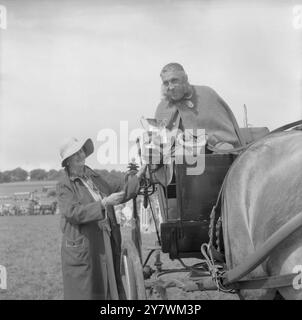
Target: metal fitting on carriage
{"x": 147, "y": 272}
{"x": 297, "y": 281}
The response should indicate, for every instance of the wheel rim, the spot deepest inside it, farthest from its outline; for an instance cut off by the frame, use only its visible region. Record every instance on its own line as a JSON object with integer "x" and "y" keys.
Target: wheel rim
{"x": 128, "y": 278}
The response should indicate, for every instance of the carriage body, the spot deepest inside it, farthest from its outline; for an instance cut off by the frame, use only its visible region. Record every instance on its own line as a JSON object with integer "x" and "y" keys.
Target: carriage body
{"x": 190, "y": 199}
{"x": 186, "y": 204}
{"x": 186, "y": 201}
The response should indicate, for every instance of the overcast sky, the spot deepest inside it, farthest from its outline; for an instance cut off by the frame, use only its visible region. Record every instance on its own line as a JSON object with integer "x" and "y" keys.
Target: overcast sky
{"x": 72, "y": 68}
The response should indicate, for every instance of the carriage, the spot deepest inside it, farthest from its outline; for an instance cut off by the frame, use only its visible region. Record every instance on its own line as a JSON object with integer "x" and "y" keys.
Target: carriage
{"x": 191, "y": 227}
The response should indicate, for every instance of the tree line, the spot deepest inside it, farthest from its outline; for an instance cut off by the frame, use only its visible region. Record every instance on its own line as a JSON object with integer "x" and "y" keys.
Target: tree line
{"x": 19, "y": 174}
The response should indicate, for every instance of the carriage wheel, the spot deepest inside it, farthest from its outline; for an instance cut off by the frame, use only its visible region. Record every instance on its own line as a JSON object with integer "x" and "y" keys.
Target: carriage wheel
{"x": 132, "y": 273}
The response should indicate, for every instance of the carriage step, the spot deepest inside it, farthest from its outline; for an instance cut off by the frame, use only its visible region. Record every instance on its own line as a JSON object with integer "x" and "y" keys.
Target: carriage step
{"x": 154, "y": 248}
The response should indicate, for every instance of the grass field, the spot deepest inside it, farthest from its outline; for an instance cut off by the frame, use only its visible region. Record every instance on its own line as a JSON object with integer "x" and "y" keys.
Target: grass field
{"x": 30, "y": 251}
{"x": 24, "y": 186}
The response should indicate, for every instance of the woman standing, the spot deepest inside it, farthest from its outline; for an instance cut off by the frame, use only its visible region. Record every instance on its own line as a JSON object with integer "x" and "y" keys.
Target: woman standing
{"x": 91, "y": 243}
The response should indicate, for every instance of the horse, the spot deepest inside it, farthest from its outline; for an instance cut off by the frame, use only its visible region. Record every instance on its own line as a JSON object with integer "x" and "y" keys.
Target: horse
{"x": 262, "y": 191}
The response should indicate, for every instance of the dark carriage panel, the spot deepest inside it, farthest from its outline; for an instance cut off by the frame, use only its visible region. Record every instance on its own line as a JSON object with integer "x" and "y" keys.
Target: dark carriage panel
{"x": 198, "y": 193}
{"x": 185, "y": 227}
{"x": 182, "y": 239}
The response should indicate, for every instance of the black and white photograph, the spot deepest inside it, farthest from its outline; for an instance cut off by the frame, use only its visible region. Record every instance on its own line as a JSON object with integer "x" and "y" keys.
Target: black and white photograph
{"x": 151, "y": 150}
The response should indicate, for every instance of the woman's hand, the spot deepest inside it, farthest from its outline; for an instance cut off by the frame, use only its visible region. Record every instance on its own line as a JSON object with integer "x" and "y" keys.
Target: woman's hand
{"x": 114, "y": 199}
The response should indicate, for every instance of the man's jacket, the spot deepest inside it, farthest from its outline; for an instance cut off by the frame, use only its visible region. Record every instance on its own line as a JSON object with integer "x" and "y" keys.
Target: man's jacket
{"x": 204, "y": 110}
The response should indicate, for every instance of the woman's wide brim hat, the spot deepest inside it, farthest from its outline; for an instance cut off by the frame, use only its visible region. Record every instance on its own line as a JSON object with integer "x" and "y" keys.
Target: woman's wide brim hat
{"x": 73, "y": 145}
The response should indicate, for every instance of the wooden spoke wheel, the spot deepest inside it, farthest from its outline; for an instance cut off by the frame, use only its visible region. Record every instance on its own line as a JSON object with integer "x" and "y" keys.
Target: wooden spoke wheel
{"x": 132, "y": 273}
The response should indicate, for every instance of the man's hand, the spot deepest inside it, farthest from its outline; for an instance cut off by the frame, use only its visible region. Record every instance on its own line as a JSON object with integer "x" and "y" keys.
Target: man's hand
{"x": 114, "y": 199}
{"x": 141, "y": 171}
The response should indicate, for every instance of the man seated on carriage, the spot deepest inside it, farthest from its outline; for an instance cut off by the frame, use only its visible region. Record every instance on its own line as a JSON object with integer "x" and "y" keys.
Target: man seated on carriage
{"x": 187, "y": 107}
